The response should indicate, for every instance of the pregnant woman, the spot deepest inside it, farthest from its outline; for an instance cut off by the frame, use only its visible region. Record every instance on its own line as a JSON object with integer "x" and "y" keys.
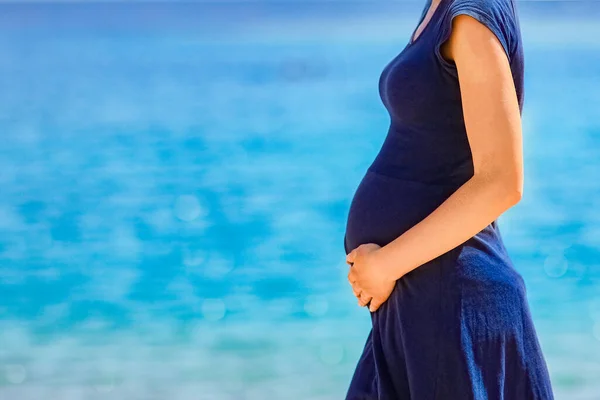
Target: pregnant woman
{"x": 449, "y": 311}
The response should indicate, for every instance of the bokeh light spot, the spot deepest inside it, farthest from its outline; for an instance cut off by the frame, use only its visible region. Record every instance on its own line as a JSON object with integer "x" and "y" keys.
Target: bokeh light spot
{"x": 15, "y": 373}
{"x": 556, "y": 264}
{"x": 218, "y": 266}
{"x": 316, "y": 306}
{"x": 595, "y": 309}
{"x": 188, "y": 208}
{"x": 213, "y": 309}
{"x": 596, "y": 331}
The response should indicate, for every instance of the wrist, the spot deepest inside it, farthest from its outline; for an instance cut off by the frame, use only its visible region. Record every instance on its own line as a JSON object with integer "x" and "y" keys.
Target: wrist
{"x": 391, "y": 263}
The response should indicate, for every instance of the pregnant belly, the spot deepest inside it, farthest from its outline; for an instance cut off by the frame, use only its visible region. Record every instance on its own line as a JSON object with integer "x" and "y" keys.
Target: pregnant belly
{"x": 384, "y": 207}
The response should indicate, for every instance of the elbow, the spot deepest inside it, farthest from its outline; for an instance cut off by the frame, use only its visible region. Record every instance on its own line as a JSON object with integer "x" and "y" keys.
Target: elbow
{"x": 515, "y": 194}
{"x": 510, "y": 189}
{"x": 505, "y": 188}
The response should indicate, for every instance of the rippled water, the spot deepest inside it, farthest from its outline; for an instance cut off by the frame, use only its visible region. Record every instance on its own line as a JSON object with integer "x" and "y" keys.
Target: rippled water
{"x": 175, "y": 180}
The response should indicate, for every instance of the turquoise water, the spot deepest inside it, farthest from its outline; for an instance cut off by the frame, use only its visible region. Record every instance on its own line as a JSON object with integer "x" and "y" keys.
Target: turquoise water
{"x": 175, "y": 180}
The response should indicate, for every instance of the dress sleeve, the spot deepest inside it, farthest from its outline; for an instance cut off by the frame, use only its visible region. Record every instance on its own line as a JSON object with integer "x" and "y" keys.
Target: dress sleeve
{"x": 497, "y": 15}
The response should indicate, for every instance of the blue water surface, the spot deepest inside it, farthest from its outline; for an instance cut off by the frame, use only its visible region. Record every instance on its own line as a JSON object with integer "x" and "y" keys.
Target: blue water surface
{"x": 175, "y": 179}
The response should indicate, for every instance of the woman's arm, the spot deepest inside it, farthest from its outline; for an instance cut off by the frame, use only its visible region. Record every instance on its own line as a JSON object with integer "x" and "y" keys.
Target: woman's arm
{"x": 493, "y": 124}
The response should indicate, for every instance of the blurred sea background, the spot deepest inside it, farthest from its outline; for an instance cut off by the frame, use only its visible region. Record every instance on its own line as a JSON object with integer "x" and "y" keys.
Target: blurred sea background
{"x": 175, "y": 178}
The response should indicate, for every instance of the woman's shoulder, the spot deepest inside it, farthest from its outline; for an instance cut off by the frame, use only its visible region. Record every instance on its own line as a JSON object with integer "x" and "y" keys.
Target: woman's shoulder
{"x": 490, "y": 7}
{"x": 500, "y": 16}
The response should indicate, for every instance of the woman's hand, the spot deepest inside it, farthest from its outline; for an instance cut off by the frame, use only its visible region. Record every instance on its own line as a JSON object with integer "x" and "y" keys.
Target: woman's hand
{"x": 367, "y": 276}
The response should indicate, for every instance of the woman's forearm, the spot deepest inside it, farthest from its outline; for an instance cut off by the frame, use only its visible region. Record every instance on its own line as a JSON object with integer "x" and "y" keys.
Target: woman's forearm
{"x": 466, "y": 212}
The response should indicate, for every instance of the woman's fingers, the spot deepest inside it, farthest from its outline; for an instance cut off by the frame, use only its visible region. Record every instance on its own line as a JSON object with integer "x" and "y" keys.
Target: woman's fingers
{"x": 351, "y": 275}
{"x": 375, "y": 304}
{"x": 352, "y": 280}
{"x": 361, "y": 295}
{"x": 364, "y": 299}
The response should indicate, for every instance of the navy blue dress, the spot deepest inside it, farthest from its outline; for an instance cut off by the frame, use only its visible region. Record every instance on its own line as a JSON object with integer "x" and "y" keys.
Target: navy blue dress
{"x": 459, "y": 326}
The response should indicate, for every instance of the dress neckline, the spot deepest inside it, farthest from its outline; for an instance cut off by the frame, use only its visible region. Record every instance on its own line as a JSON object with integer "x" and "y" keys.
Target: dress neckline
{"x": 426, "y": 10}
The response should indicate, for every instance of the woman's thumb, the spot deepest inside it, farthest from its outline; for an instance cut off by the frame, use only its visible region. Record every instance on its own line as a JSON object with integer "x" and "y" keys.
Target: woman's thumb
{"x": 375, "y": 304}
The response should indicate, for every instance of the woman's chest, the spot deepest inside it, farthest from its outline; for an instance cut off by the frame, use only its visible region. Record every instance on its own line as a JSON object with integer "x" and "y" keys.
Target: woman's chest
{"x": 412, "y": 86}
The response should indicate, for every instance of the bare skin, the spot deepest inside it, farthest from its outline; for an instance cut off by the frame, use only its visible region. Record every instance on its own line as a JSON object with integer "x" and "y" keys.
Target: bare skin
{"x": 428, "y": 16}
{"x": 493, "y": 125}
